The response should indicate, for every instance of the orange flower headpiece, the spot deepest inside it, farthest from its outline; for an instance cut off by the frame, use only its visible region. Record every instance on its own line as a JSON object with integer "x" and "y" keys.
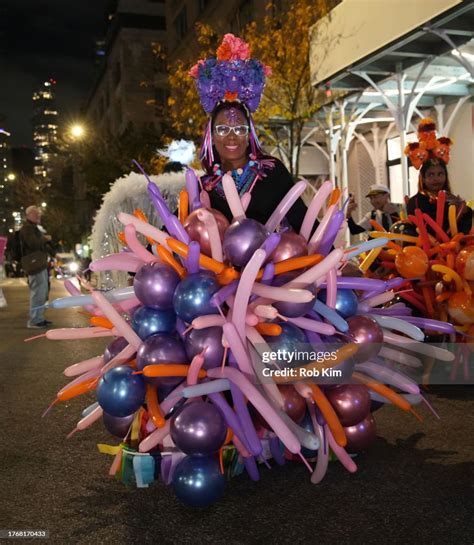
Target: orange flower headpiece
{"x": 428, "y": 146}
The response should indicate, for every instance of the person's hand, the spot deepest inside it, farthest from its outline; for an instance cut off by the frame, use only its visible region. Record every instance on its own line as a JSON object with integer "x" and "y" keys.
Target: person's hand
{"x": 351, "y": 206}
{"x": 48, "y": 238}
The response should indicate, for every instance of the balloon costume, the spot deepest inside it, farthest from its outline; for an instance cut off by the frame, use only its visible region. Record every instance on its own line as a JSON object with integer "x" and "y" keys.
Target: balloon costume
{"x": 181, "y": 382}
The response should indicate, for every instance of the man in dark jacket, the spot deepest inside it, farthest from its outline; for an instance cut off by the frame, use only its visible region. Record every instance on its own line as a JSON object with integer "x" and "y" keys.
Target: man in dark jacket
{"x": 33, "y": 240}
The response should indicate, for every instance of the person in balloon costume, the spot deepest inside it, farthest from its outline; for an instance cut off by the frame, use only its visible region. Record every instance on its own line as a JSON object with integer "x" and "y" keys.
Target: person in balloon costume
{"x": 183, "y": 382}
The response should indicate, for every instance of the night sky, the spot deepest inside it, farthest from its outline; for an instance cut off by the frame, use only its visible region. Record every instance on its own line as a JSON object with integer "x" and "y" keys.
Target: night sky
{"x": 42, "y": 39}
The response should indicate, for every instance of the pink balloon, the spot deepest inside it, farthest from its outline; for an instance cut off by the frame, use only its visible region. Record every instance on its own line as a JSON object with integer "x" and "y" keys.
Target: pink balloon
{"x": 73, "y": 290}
{"x": 244, "y": 290}
{"x": 285, "y": 204}
{"x": 155, "y": 438}
{"x": 266, "y": 312}
{"x": 286, "y": 436}
{"x": 210, "y": 320}
{"x": 331, "y": 293}
{"x": 318, "y": 271}
{"x": 319, "y": 233}
{"x": 119, "y": 262}
{"x": 122, "y": 357}
{"x": 194, "y": 368}
{"x": 144, "y": 228}
{"x": 92, "y": 417}
{"x": 137, "y": 248}
{"x": 290, "y": 294}
{"x": 388, "y": 376}
{"x": 313, "y": 209}
{"x": 415, "y": 346}
{"x": 214, "y": 234}
{"x": 121, "y": 325}
{"x": 84, "y": 366}
{"x": 232, "y": 197}
{"x": 205, "y": 199}
{"x": 323, "y": 452}
{"x": 341, "y": 454}
{"x": 246, "y": 198}
{"x": 238, "y": 348}
{"x": 68, "y": 333}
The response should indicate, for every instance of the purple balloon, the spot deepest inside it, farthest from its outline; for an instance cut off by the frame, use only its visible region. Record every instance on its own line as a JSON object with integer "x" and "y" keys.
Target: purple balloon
{"x": 198, "y": 429}
{"x": 117, "y": 425}
{"x": 209, "y": 338}
{"x": 242, "y": 239}
{"x": 367, "y": 333}
{"x": 361, "y": 436}
{"x": 293, "y": 310}
{"x": 154, "y": 285}
{"x": 114, "y": 348}
{"x": 161, "y": 348}
{"x": 351, "y": 402}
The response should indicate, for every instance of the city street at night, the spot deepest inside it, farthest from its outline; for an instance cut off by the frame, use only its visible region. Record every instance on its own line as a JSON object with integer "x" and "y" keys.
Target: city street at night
{"x": 412, "y": 486}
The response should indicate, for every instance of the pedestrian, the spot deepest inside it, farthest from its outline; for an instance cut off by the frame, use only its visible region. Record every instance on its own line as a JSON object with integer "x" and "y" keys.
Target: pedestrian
{"x": 34, "y": 261}
{"x": 384, "y": 212}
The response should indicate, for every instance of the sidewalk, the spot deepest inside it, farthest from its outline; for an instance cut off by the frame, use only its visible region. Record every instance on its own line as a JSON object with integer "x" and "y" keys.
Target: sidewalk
{"x": 412, "y": 487}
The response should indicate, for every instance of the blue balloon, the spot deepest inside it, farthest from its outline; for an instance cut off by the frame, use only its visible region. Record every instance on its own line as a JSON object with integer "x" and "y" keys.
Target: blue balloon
{"x": 307, "y": 424}
{"x": 147, "y": 321}
{"x": 197, "y": 481}
{"x": 290, "y": 339}
{"x": 192, "y": 297}
{"x": 119, "y": 392}
{"x": 346, "y": 302}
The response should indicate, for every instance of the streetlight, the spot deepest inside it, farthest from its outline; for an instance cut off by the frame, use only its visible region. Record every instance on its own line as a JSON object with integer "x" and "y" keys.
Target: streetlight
{"x": 44, "y": 205}
{"x": 77, "y": 131}
{"x": 11, "y": 177}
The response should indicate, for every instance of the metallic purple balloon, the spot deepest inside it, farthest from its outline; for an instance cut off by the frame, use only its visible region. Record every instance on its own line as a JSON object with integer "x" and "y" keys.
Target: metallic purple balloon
{"x": 293, "y": 404}
{"x": 114, "y": 348}
{"x": 241, "y": 239}
{"x": 161, "y": 348}
{"x": 209, "y": 338}
{"x": 198, "y": 429}
{"x": 367, "y": 333}
{"x": 351, "y": 402}
{"x": 290, "y": 245}
{"x": 154, "y": 285}
{"x": 361, "y": 436}
{"x": 117, "y": 425}
{"x": 197, "y": 230}
{"x": 293, "y": 310}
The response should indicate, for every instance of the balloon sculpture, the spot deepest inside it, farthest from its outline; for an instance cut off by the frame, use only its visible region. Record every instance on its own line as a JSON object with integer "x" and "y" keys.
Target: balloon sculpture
{"x": 181, "y": 380}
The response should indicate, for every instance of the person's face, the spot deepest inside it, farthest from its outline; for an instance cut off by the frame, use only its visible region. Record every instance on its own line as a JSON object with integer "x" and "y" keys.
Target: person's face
{"x": 379, "y": 200}
{"x": 34, "y": 215}
{"x": 232, "y": 149}
{"x": 434, "y": 178}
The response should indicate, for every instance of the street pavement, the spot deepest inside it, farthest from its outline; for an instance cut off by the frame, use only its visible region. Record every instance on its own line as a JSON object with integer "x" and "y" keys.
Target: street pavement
{"x": 414, "y": 486}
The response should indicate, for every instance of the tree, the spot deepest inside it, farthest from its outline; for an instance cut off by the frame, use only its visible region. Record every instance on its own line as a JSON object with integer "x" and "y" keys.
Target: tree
{"x": 281, "y": 41}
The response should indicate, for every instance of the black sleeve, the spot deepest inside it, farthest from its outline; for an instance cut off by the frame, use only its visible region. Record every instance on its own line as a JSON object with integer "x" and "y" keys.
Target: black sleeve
{"x": 353, "y": 227}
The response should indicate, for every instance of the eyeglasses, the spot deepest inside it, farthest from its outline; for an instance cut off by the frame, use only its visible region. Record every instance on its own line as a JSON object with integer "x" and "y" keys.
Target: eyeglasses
{"x": 238, "y": 130}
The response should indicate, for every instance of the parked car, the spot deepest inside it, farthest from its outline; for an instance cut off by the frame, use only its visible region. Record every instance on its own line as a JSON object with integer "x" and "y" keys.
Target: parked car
{"x": 66, "y": 265}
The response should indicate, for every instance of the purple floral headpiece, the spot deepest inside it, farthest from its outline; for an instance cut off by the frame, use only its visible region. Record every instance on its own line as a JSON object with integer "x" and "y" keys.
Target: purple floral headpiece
{"x": 232, "y": 76}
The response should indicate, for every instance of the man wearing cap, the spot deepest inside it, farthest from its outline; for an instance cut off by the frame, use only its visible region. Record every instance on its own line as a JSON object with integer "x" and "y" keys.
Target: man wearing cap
{"x": 384, "y": 212}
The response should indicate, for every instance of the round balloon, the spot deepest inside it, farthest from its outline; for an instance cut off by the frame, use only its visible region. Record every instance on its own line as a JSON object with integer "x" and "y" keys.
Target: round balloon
{"x": 241, "y": 239}
{"x": 290, "y": 340}
{"x": 114, "y": 348}
{"x": 117, "y": 425}
{"x": 209, "y": 338}
{"x": 198, "y": 429}
{"x": 465, "y": 262}
{"x": 351, "y": 402}
{"x": 367, "y": 333}
{"x": 154, "y": 285}
{"x": 198, "y": 482}
{"x": 361, "y": 435}
{"x": 192, "y": 297}
{"x": 161, "y": 348}
{"x": 197, "y": 230}
{"x": 294, "y": 405}
{"x": 461, "y": 307}
{"x": 286, "y": 308}
{"x": 147, "y": 321}
{"x": 291, "y": 245}
{"x": 120, "y": 392}
{"x": 411, "y": 262}
{"x": 346, "y": 301}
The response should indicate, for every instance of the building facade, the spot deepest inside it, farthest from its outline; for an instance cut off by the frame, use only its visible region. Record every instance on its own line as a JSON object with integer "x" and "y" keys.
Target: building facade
{"x": 45, "y": 130}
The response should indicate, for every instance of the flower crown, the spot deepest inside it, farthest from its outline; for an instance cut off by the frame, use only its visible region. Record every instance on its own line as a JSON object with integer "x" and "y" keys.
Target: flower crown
{"x": 232, "y": 76}
{"x": 428, "y": 146}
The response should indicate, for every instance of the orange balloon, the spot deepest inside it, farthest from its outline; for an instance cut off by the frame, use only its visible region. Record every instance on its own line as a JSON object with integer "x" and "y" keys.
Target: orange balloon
{"x": 465, "y": 262}
{"x": 461, "y": 307}
{"x": 412, "y": 262}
